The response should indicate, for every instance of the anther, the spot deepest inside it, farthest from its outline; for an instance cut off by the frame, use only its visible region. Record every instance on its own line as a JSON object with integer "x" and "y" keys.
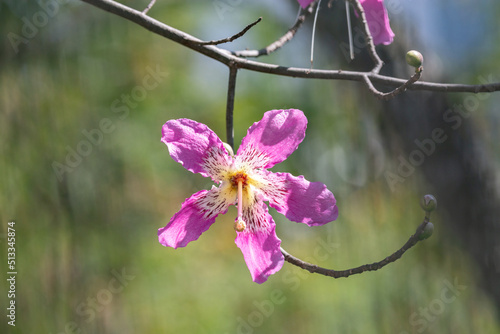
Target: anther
{"x": 239, "y": 225}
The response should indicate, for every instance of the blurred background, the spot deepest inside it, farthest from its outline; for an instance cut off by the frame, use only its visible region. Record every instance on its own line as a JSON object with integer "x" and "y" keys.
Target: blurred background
{"x": 86, "y": 180}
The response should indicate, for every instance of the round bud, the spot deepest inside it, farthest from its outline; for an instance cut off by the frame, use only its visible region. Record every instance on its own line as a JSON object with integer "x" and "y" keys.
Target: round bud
{"x": 427, "y": 232}
{"x": 428, "y": 203}
{"x": 239, "y": 225}
{"x": 414, "y": 58}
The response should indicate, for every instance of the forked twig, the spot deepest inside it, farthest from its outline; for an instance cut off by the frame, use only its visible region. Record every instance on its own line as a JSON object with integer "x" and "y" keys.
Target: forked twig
{"x": 389, "y": 95}
{"x": 304, "y": 13}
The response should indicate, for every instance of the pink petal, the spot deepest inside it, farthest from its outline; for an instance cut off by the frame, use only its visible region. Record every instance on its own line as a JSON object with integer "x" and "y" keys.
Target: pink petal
{"x": 262, "y": 254}
{"x": 304, "y": 3}
{"x": 272, "y": 139}
{"x": 378, "y": 21}
{"x": 196, "y": 147}
{"x": 196, "y": 215}
{"x": 300, "y": 200}
{"x": 259, "y": 244}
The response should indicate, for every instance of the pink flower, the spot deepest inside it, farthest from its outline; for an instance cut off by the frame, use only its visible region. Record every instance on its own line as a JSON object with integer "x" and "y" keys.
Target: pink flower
{"x": 243, "y": 180}
{"x": 378, "y": 21}
{"x": 376, "y": 17}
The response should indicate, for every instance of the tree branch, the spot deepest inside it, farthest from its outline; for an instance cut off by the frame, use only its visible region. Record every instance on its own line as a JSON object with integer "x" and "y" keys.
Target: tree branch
{"x": 393, "y": 93}
{"x": 304, "y": 13}
{"x": 225, "y": 56}
{"x": 312, "y": 268}
{"x": 232, "y": 38}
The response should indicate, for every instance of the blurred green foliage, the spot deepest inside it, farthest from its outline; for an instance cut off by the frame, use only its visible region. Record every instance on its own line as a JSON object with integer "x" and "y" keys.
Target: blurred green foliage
{"x": 75, "y": 234}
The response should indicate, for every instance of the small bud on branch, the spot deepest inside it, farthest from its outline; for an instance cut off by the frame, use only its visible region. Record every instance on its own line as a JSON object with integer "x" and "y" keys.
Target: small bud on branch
{"x": 415, "y": 59}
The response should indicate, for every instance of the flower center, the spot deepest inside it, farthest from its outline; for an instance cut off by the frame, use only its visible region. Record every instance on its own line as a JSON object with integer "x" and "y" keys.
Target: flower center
{"x": 239, "y": 177}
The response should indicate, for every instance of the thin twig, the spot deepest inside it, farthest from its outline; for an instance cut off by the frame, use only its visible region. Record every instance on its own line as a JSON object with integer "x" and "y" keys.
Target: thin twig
{"x": 369, "y": 40}
{"x": 304, "y": 13}
{"x": 225, "y": 57}
{"x": 151, "y": 4}
{"x": 232, "y": 38}
{"x": 389, "y": 95}
{"x": 231, "y": 87}
{"x": 312, "y": 268}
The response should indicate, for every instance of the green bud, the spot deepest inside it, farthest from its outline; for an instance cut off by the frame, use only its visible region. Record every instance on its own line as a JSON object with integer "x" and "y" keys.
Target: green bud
{"x": 428, "y": 203}
{"x": 414, "y": 58}
{"x": 427, "y": 232}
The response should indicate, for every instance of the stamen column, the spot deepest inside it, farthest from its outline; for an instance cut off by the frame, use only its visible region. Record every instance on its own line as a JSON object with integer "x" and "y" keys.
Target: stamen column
{"x": 240, "y": 225}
